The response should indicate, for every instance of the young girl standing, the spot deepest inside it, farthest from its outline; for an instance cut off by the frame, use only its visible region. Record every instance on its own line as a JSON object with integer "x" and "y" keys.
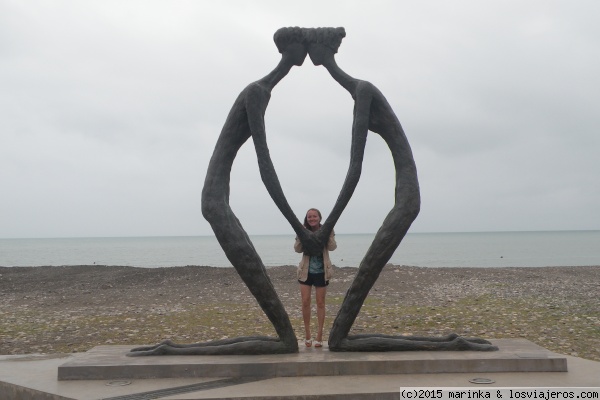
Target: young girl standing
{"x": 314, "y": 271}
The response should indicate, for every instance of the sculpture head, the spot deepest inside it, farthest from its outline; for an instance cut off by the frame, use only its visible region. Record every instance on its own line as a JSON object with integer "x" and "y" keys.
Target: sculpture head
{"x": 323, "y": 43}
{"x": 290, "y": 43}
{"x": 312, "y": 220}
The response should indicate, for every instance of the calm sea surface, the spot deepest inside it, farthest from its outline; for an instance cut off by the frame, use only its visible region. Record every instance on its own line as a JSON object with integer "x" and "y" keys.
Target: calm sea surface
{"x": 489, "y": 249}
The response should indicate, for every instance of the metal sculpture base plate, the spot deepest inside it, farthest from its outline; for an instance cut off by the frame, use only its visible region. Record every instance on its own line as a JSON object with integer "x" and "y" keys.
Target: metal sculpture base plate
{"x": 110, "y": 362}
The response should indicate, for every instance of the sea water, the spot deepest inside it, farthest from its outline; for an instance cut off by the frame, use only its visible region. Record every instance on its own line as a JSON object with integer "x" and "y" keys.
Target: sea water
{"x": 481, "y": 249}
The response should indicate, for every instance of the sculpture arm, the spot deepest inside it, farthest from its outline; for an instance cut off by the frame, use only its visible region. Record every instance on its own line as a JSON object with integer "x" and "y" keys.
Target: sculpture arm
{"x": 331, "y": 243}
{"x": 255, "y": 109}
{"x": 298, "y": 245}
{"x": 360, "y": 128}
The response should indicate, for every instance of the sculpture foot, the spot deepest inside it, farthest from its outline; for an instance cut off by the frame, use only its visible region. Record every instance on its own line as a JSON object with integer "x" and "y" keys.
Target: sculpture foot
{"x": 150, "y": 348}
{"x": 465, "y": 344}
{"x": 478, "y": 340}
{"x": 453, "y": 336}
{"x": 158, "y": 350}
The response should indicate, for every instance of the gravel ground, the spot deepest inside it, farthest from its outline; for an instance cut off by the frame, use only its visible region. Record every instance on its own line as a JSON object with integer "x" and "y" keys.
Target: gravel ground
{"x": 74, "y": 308}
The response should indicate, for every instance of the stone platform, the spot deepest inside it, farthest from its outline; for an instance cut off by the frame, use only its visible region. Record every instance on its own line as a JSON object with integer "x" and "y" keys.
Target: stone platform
{"x": 110, "y": 362}
{"x": 105, "y": 373}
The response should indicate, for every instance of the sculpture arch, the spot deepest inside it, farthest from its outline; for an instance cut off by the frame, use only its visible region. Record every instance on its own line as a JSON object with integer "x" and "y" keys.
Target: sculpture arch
{"x": 372, "y": 113}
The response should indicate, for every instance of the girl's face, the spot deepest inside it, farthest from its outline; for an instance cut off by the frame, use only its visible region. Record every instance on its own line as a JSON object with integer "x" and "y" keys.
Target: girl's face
{"x": 312, "y": 217}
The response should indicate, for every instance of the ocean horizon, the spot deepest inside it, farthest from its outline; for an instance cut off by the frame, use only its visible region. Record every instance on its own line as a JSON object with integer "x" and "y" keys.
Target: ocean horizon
{"x": 442, "y": 249}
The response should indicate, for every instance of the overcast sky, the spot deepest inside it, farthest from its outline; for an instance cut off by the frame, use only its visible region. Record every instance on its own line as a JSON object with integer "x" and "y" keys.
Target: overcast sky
{"x": 109, "y": 112}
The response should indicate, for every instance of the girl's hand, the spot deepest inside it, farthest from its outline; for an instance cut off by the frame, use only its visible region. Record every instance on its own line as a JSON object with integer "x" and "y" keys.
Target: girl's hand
{"x": 312, "y": 242}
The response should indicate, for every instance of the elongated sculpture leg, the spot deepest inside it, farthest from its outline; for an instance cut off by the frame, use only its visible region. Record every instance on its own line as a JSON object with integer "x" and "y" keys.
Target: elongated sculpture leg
{"x": 239, "y": 345}
{"x": 385, "y": 243}
{"x": 246, "y": 261}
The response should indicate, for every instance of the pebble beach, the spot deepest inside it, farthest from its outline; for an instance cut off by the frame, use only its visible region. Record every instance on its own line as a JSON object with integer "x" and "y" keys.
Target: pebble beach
{"x": 75, "y": 308}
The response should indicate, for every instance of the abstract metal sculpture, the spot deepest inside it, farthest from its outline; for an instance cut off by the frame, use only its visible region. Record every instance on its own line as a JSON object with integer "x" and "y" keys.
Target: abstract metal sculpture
{"x": 246, "y": 119}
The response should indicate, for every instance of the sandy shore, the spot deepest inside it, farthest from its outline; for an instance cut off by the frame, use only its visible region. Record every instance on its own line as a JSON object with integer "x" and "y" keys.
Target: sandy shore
{"x": 72, "y": 309}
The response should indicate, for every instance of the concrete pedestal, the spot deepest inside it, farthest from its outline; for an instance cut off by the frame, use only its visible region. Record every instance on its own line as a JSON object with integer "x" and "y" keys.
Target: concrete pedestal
{"x": 110, "y": 362}
{"x": 106, "y": 373}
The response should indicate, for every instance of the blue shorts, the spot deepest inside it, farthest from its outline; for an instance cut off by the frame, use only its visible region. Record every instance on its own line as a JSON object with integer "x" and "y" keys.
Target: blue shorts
{"x": 316, "y": 280}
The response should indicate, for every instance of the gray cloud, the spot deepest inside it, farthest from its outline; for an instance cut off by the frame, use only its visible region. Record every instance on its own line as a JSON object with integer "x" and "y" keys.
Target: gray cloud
{"x": 110, "y": 111}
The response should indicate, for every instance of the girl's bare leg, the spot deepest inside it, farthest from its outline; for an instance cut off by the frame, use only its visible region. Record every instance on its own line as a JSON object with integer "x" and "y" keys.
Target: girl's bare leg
{"x": 320, "y": 296}
{"x": 305, "y": 292}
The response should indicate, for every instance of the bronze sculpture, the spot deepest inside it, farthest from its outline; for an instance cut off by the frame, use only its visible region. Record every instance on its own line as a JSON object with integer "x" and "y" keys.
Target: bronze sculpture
{"x": 372, "y": 113}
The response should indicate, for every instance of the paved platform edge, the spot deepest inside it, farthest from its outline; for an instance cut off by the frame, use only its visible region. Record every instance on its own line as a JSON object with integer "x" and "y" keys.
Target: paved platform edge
{"x": 111, "y": 362}
{"x": 36, "y": 380}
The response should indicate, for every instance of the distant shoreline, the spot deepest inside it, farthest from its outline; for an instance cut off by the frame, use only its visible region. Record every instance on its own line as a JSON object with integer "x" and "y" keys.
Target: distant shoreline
{"x": 277, "y": 266}
{"x": 292, "y": 234}
{"x": 493, "y": 250}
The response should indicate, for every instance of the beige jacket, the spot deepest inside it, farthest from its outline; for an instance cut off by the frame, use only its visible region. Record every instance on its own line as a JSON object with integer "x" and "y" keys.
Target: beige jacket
{"x": 303, "y": 266}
